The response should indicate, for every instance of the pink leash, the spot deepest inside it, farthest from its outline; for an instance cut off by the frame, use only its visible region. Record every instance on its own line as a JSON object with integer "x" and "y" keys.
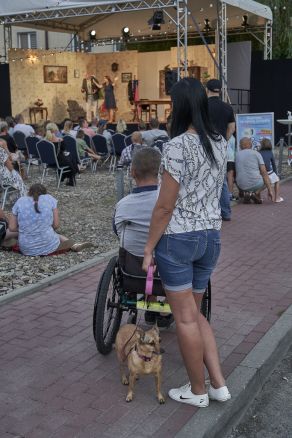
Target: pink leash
{"x": 149, "y": 281}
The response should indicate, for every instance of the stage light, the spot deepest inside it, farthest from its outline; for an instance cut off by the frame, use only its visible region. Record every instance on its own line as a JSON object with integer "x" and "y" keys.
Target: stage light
{"x": 207, "y": 26}
{"x": 156, "y": 20}
{"x": 92, "y": 35}
{"x": 126, "y": 31}
{"x": 244, "y": 22}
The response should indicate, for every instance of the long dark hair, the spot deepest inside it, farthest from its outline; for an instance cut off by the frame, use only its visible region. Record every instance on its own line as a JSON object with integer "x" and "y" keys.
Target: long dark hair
{"x": 109, "y": 79}
{"x": 190, "y": 110}
{"x": 35, "y": 191}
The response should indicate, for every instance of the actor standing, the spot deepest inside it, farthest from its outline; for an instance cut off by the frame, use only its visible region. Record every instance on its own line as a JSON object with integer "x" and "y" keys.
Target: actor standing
{"x": 109, "y": 98}
{"x": 222, "y": 118}
{"x": 90, "y": 87}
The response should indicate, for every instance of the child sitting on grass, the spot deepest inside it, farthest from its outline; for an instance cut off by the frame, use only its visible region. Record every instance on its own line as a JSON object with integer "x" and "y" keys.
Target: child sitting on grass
{"x": 83, "y": 149}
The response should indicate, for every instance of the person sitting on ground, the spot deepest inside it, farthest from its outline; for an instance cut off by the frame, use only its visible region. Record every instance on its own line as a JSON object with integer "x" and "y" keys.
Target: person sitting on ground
{"x": 121, "y": 126}
{"x": 127, "y": 153}
{"x": 266, "y": 151}
{"x": 68, "y": 129}
{"x": 84, "y": 125}
{"x": 22, "y": 127}
{"x": 8, "y": 238}
{"x": 83, "y": 149}
{"x": 102, "y": 130}
{"x": 36, "y": 218}
{"x": 251, "y": 174}
{"x": 133, "y": 212}
{"x": 153, "y": 133}
{"x": 8, "y": 175}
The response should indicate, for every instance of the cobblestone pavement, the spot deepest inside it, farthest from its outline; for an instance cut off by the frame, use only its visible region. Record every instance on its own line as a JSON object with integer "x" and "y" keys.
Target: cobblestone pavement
{"x": 54, "y": 384}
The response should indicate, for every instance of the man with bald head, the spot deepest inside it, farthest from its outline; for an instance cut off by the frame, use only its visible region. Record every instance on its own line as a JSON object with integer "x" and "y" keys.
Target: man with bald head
{"x": 251, "y": 174}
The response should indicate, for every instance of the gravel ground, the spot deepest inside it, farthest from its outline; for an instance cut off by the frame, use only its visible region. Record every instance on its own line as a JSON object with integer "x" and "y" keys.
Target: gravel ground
{"x": 85, "y": 215}
{"x": 269, "y": 416}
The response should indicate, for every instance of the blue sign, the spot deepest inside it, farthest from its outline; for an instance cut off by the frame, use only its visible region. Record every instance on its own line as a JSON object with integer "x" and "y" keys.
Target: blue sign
{"x": 256, "y": 127}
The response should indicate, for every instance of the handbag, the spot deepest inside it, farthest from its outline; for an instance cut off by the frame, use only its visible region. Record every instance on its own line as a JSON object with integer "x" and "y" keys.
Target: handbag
{"x": 3, "y": 228}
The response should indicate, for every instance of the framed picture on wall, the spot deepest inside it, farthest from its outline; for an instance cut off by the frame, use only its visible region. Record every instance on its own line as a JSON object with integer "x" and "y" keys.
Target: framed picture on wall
{"x": 55, "y": 74}
{"x": 126, "y": 77}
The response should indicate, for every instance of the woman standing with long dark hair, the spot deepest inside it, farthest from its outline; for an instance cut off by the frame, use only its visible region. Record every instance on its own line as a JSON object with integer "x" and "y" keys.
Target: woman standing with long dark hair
{"x": 109, "y": 97}
{"x": 185, "y": 234}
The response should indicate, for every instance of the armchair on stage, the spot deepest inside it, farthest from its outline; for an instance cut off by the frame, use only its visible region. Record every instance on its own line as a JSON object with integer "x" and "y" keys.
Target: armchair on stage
{"x": 75, "y": 110}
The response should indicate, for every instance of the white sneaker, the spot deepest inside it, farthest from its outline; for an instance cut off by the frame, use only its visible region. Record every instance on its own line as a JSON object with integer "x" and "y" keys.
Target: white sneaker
{"x": 221, "y": 394}
{"x": 184, "y": 395}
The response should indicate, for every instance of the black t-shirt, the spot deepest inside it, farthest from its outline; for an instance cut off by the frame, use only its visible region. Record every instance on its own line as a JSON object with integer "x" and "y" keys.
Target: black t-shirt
{"x": 221, "y": 114}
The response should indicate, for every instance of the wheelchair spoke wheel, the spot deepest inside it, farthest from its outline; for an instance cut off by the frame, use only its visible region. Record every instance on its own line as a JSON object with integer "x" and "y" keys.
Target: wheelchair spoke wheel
{"x": 107, "y": 312}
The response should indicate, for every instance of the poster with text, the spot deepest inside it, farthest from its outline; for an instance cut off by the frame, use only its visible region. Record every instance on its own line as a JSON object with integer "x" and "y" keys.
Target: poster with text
{"x": 256, "y": 127}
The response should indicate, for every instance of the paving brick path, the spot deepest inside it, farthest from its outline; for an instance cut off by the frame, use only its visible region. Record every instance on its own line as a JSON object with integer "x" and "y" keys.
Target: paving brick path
{"x": 55, "y": 384}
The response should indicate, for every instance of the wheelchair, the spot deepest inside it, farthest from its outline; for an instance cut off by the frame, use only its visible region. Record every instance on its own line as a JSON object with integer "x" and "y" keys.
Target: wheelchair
{"x": 118, "y": 291}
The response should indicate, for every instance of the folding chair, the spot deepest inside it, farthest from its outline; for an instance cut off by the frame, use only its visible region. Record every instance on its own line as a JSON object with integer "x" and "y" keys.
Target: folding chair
{"x": 100, "y": 147}
{"x": 33, "y": 155}
{"x": 88, "y": 141}
{"x": 6, "y": 189}
{"x": 20, "y": 140}
{"x": 49, "y": 160}
{"x": 128, "y": 140}
{"x": 118, "y": 147}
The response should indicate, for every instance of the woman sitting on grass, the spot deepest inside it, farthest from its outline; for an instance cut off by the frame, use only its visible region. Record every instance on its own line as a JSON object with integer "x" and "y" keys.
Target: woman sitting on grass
{"x": 36, "y": 218}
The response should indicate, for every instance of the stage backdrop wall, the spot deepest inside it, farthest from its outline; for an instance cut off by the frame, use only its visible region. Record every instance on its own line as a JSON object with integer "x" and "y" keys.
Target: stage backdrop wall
{"x": 27, "y": 78}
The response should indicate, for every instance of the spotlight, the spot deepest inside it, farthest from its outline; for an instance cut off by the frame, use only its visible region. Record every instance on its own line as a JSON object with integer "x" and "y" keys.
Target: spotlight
{"x": 92, "y": 35}
{"x": 156, "y": 20}
{"x": 207, "y": 26}
{"x": 125, "y": 31}
{"x": 244, "y": 22}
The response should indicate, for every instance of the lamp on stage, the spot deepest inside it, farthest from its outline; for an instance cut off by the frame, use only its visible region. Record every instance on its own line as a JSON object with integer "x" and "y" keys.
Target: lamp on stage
{"x": 207, "y": 27}
{"x": 244, "y": 23}
{"x": 157, "y": 20}
{"x": 92, "y": 35}
{"x": 126, "y": 32}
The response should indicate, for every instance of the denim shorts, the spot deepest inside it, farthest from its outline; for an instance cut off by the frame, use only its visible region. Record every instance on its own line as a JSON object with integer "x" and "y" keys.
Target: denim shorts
{"x": 187, "y": 260}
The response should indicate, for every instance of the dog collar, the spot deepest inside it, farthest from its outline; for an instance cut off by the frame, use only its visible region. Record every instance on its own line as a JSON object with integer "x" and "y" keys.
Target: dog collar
{"x": 145, "y": 358}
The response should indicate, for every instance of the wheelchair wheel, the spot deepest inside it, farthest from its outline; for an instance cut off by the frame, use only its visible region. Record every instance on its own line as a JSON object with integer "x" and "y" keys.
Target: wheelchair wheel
{"x": 206, "y": 303}
{"x": 107, "y": 312}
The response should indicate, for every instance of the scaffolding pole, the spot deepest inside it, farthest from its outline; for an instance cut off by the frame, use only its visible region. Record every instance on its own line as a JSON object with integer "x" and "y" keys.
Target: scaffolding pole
{"x": 268, "y": 40}
{"x": 222, "y": 46}
{"x": 182, "y": 37}
{"x": 7, "y": 36}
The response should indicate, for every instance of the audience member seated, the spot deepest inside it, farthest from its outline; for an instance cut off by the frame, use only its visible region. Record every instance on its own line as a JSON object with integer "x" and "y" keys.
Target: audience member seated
{"x": 8, "y": 175}
{"x": 127, "y": 153}
{"x": 133, "y": 212}
{"x": 52, "y": 133}
{"x": 266, "y": 151}
{"x": 16, "y": 156}
{"x": 153, "y": 133}
{"x": 142, "y": 126}
{"x": 40, "y": 131}
{"x": 83, "y": 149}
{"x": 36, "y": 218}
{"x": 23, "y": 127}
{"x": 94, "y": 124}
{"x": 11, "y": 123}
{"x": 121, "y": 127}
{"x": 68, "y": 129}
{"x": 8, "y": 238}
{"x": 5, "y": 136}
{"x": 102, "y": 130}
{"x": 84, "y": 125}
{"x": 251, "y": 174}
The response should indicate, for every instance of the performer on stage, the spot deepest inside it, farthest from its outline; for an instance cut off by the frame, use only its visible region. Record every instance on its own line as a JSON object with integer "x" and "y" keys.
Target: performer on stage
{"x": 91, "y": 88}
{"x": 109, "y": 97}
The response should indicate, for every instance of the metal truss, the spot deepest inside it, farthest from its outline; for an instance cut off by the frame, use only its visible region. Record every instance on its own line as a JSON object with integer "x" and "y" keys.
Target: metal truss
{"x": 182, "y": 37}
{"x": 268, "y": 40}
{"x": 222, "y": 46}
{"x": 103, "y": 7}
{"x": 7, "y": 36}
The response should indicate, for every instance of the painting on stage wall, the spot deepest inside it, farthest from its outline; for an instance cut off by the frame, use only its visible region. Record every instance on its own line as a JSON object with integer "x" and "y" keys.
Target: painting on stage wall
{"x": 126, "y": 77}
{"x": 55, "y": 74}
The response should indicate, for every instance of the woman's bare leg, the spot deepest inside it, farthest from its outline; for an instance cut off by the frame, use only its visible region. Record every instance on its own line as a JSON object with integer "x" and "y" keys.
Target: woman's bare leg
{"x": 211, "y": 356}
{"x": 188, "y": 332}
{"x": 277, "y": 190}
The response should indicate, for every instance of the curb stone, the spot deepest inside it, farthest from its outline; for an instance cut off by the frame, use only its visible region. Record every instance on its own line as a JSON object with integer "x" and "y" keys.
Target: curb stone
{"x": 52, "y": 279}
{"x": 244, "y": 383}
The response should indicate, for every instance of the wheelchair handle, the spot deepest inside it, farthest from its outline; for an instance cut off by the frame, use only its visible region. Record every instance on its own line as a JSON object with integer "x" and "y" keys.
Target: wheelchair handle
{"x": 149, "y": 281}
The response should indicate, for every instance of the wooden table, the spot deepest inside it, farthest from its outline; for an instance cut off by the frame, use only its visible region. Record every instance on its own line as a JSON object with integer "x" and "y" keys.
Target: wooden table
{"x": 149, "y": 102}
{"x": 33, "y": 110}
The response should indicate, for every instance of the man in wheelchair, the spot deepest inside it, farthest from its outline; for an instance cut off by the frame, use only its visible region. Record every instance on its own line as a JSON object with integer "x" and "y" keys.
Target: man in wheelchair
{"x": 133, "y": 213}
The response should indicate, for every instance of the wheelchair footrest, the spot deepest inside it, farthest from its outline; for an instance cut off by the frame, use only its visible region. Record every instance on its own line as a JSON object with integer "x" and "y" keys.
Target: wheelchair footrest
{"x": 153, "y": 306}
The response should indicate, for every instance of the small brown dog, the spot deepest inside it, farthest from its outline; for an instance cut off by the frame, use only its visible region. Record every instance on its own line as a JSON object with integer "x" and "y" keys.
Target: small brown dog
{"x": 142, "y": 352}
